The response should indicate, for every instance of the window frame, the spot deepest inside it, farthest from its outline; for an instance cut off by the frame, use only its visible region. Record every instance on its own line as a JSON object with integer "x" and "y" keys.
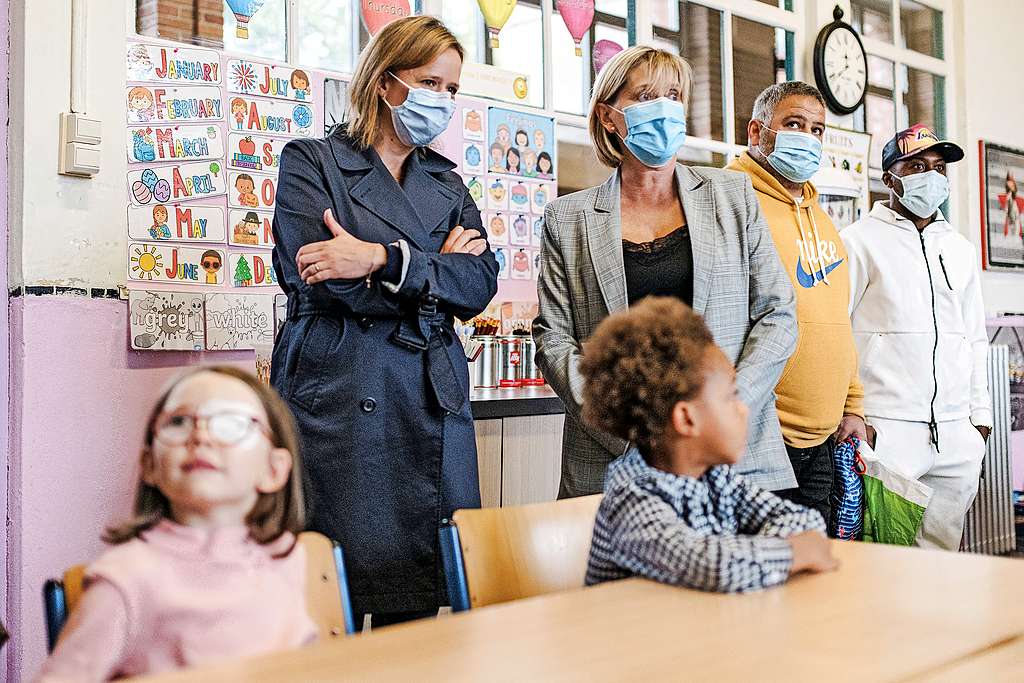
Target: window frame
{"x": 907, "y": 58}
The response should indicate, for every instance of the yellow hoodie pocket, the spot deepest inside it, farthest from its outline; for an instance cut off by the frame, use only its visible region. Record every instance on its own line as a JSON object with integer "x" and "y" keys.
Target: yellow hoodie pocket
{"x": 813, "y": 387}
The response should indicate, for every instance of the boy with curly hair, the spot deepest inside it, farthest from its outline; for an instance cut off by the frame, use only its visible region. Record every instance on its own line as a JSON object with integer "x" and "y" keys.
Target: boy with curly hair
{"x": 673, "y": 511}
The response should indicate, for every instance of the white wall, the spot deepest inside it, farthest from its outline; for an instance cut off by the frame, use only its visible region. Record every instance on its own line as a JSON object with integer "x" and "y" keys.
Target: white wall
{"x": 66, "y": 231}
{"x": 991, "y": 102}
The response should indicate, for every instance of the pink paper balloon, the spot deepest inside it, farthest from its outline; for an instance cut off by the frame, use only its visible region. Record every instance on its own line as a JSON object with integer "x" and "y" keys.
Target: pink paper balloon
{"x": 578, "y": 15}
{"x": 379, "y": 13}
{"x": 603, "y": 51}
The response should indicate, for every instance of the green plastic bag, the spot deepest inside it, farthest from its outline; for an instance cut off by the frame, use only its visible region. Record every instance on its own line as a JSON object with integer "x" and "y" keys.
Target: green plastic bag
{"x": 894, "y": 505}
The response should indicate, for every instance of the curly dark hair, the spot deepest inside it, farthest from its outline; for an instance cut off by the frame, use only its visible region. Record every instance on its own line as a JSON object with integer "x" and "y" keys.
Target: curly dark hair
{"x": 638, "y": 364}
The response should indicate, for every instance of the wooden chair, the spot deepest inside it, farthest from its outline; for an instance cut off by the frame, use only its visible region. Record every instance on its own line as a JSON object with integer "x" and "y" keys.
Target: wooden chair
{"x": 496, "y": 555}
{"x": 327, "y": 594}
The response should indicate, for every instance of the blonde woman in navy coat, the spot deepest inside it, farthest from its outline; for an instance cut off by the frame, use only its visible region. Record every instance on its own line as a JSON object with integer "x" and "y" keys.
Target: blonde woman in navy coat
{"x": 379, "y": 246}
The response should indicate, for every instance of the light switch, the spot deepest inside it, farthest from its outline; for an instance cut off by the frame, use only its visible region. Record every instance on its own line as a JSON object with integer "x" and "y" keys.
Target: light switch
{"x": 80, "y": 160}
{"x": 80, "y": 139}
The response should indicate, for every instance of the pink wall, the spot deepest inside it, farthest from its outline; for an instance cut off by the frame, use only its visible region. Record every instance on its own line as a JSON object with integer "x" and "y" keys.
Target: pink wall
{"x": 5, "y": 34}
{"x": 76, "y": 425}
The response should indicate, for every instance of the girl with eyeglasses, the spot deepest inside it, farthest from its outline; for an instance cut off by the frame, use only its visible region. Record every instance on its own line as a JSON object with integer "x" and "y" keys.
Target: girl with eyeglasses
{"x": 208, "y": 567}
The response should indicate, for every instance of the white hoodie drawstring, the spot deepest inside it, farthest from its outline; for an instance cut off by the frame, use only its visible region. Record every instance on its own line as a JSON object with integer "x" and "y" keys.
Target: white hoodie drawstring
{"x": 817, "y": 241}
{"x": 812, "y": 250}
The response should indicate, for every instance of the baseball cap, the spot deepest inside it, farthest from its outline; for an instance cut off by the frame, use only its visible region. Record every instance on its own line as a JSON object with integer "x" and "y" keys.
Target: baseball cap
{"x": 914, "y": 140}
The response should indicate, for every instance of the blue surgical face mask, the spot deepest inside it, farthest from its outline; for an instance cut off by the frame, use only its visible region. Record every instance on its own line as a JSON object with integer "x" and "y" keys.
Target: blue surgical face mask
{"x": 796, "y": 156}
{"x": 423, "y": 116}
{"x": 655, "y": 130}
{"x": 923, "y": 193}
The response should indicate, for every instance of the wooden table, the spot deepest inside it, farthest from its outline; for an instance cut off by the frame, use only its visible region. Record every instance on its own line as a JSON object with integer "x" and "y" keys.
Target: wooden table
{"x": 888, "y": 614}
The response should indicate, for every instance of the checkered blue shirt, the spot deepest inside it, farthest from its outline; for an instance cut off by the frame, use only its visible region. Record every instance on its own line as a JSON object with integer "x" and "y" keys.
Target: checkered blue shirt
{"x": 716, "y": 533}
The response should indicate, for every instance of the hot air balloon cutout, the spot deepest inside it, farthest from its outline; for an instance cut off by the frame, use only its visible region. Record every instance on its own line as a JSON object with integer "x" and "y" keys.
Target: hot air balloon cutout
{"x": 603, "y": 51}
{"x": 379, "y": 13}
{"x": 243, "y": 10}
{"x": 496, "y": 13}
{"x": 578, "y": 15}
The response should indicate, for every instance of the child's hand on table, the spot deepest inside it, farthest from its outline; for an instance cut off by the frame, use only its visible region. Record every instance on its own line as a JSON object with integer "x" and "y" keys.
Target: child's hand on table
{"x": 812, "y": 552}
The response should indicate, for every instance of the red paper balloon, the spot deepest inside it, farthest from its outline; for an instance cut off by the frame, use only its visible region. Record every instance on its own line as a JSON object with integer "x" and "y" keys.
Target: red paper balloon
{"x": 578, "y": 15}
{"x": 603, "y": 51}
{"x": 379, "y": 13}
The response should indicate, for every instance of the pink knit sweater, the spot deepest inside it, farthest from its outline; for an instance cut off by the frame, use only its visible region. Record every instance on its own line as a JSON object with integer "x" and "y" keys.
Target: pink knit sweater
{"x": 181, "y": 597}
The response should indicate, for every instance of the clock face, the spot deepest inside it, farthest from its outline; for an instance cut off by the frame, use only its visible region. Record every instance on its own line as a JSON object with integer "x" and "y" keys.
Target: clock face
{"x": 845, "y": 67}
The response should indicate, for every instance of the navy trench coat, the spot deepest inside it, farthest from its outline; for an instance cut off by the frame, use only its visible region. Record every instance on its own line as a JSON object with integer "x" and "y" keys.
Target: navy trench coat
{"x": 378, "y": 381}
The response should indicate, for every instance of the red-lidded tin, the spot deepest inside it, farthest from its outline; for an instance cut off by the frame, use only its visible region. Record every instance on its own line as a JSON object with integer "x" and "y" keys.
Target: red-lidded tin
{"x": 530, "y": 373}
{"x": 511, "y": 362}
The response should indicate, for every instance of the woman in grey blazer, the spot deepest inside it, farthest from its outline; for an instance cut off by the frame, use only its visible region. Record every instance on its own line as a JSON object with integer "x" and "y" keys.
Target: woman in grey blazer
{"x": 657, "y": 227}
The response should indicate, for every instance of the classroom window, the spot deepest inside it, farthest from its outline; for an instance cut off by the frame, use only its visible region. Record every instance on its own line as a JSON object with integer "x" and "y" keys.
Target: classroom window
{"x": 878, "y": 113}
{"x": 616, "y": 7}
{"x": 211, "y": 23}
{"x": 467, "y": 24}
{"x": 327, "y": 30}
{"x": 520, "y": 48}
{"x": 873, "y": 19}
{"x": 266, "y": 29}
{"x": 921, "y": 28}
{"x": 923, "y": 100}
{"x": 762, "y": 55}
{"x": 573, "y": 73}
{"x": 781, "y": 4}
{"x": 699, "y": 41}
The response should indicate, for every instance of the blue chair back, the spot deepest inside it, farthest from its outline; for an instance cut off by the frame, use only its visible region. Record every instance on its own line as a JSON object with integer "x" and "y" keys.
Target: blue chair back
{"x": 454, "y": 567}
{"x": 346, "y": 599}
{"x": 56, "y": 607}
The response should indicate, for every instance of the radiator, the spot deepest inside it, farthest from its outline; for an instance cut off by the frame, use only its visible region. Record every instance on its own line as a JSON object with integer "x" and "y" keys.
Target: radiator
{"x": 989, "y": 528}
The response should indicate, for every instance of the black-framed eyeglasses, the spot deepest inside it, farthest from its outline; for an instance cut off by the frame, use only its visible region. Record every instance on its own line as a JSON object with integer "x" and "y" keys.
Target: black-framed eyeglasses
{"x": 226, "y": 428}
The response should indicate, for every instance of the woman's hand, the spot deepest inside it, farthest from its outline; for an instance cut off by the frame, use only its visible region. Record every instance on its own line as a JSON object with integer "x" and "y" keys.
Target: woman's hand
{"x": 463, "y": 241}
{"x": 341, "y": 258}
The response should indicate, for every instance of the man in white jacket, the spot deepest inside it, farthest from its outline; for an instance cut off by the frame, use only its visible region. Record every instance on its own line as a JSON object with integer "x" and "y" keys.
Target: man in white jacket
{"x": 919, "y": 325}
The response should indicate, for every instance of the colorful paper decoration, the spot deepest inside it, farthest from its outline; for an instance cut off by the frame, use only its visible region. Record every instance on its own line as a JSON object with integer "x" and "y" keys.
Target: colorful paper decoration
{"x": 172, "y": 64}
{"x": 177, "y": 223}
{"x": 578, "y": 15}
{"x": 268, "y": 80}
{"x": 170, "y": 263}
{"x": 166, "y": 321}
{"x": 496, "y": 13}
{"x": 239, "y": 321}
{"x": 191, "y": 104}
{"x": 177, "y": 183}
{"x": 173, "y": 143}
{"x": 379, "y": 13}
{"x": 275, "y": 117}
{"x": 244, "y": 9}
{"x": 603, "y": 51}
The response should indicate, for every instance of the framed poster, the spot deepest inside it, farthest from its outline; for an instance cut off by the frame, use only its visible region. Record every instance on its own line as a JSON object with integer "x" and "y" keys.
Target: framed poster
{"x": 1002, "y": 191}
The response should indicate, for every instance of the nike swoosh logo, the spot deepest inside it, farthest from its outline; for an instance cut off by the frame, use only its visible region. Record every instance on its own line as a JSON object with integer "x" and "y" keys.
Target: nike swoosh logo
{"x": 805, "y": 279}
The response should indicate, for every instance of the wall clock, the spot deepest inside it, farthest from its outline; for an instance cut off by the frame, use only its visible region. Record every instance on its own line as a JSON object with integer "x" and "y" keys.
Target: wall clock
{"x": 840, "y": 65}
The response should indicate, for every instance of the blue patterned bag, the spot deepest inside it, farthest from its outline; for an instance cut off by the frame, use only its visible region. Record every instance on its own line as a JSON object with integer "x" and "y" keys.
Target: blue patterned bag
{"x": 847, "y": 496}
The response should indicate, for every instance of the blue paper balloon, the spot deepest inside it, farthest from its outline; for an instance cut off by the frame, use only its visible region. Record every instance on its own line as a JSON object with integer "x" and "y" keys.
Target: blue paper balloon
{"x": 243, "y": 11}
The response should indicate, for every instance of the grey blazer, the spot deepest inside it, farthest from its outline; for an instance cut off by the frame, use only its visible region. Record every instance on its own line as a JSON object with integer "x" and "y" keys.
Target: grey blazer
{"x": 739, "y": 286}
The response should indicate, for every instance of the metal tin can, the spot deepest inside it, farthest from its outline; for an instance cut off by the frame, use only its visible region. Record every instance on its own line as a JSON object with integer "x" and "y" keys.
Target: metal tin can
{"x": 485, "y": 367}
{"x": 510, "y": 364}
{"x": 530, "y": 372}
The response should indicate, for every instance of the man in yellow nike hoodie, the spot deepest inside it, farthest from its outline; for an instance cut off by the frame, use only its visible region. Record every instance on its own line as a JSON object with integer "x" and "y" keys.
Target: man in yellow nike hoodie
{"x": 820, "y": 398}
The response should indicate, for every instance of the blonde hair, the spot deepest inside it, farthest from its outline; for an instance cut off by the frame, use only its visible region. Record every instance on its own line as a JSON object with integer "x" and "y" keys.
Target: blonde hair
{"x": 403, "y": 44}
{"x": 664, "y": 68}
